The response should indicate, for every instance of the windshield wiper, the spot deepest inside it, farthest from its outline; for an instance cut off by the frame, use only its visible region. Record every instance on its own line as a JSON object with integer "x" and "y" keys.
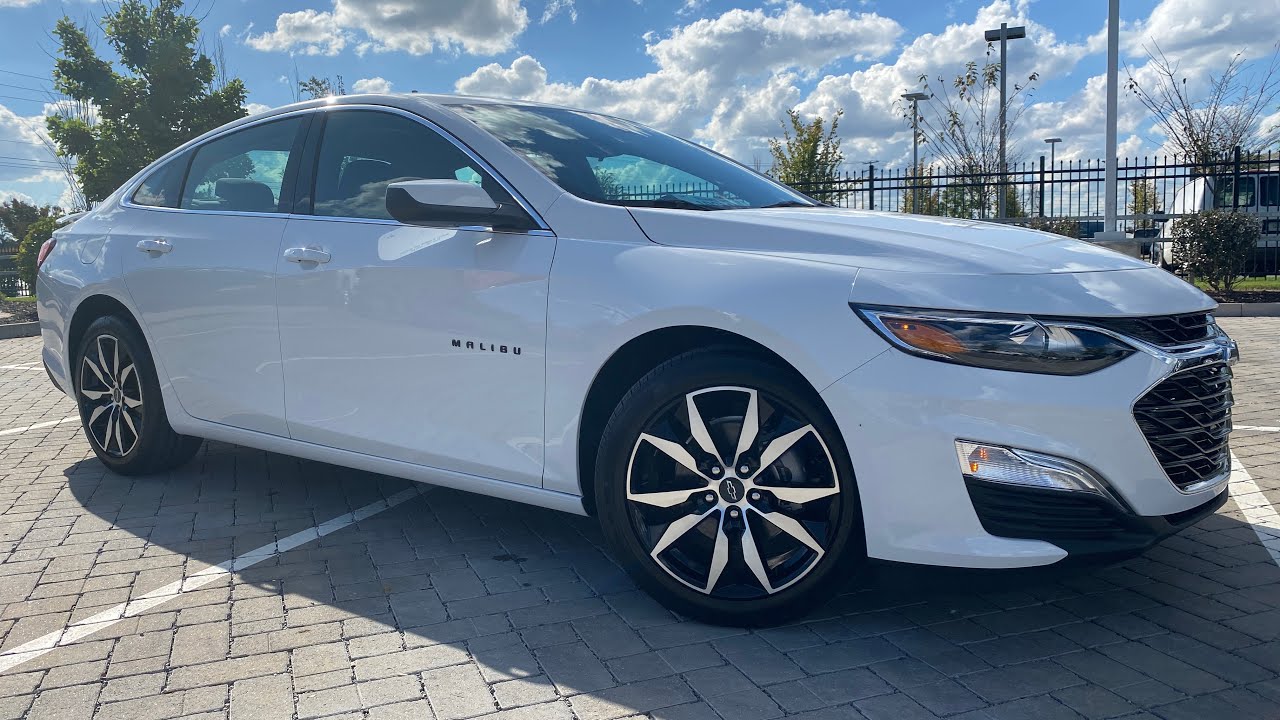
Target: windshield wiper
{"x": 672, "y": 202}
{"x": 789, "y": 203}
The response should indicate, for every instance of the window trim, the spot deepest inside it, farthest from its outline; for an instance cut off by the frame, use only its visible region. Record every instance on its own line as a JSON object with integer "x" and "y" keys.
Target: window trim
{"x": 313, "y": 151}
{"x": 127, "y": 198}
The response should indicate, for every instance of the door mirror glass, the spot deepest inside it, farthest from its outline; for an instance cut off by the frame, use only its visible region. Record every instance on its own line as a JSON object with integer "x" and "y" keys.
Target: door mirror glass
{"x": 451, "y": 202}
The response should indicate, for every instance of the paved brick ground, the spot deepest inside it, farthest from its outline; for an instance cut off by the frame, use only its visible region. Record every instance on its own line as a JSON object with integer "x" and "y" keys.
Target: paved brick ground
{"x": 454, "y": 606}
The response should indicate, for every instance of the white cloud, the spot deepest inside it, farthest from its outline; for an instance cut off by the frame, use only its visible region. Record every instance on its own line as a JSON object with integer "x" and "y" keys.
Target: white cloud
{"x": 224, "y": 31}
{"x": 306, "y": 32}
{"x": 29, "y": 172}
{"x": 478, "y": 27}
{"x": 556, "y": 7}
{"x": 710, "y": 73}
{"x": 17, "y": 3}
{"x": 255, "y": 108}
{"x": 371, "y": 85}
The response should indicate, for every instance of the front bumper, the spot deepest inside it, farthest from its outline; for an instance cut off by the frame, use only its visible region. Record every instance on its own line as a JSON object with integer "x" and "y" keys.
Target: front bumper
{"x": 901, "y": 415}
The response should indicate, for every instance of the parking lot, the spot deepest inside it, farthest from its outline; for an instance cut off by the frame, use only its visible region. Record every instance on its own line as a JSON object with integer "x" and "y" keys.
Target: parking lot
{"x": 251, "y": 585}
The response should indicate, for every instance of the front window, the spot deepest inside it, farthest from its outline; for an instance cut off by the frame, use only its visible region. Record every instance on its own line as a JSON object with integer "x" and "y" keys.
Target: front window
{"x": 1225, "y": 196}
{"x": 614, "y": 161}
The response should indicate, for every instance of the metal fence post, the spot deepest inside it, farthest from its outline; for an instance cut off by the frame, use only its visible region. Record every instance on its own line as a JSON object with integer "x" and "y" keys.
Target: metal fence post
{"x": 1041, "y": 203}
{"x": 1235, "y": 179}
{"x": 871, "y": 186}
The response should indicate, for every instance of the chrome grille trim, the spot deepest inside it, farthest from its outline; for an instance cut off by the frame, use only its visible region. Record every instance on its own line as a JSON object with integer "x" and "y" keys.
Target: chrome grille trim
{"x": 1186, "y": 420}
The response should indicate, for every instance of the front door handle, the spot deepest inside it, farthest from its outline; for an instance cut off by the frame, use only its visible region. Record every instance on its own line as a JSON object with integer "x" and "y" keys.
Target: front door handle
{"x": 306, "y": 255}
{"x": 155, "y": 246}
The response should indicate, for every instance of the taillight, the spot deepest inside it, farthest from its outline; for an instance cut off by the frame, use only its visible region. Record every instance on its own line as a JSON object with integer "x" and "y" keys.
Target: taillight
{"x": 45, "y": 249}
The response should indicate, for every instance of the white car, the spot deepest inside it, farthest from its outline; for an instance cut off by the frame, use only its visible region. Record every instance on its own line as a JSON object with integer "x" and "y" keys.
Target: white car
{"x": 752, "y": 392}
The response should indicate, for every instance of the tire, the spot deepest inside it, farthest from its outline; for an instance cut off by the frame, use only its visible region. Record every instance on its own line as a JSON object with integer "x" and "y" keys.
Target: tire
{"x": 686, "y": 526}
{"x": 121, "y": 410}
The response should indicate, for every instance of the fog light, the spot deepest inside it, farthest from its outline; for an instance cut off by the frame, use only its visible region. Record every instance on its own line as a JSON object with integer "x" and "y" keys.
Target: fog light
{"x": 993, "y": 463}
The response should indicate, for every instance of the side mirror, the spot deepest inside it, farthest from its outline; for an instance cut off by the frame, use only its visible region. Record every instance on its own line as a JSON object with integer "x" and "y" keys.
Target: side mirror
{"x": 451, "y": 202}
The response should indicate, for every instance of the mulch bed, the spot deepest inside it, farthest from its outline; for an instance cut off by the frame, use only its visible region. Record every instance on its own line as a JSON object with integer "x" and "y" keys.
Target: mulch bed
{"x": 18, "y": 311}
{"x": 1246, "y": 296}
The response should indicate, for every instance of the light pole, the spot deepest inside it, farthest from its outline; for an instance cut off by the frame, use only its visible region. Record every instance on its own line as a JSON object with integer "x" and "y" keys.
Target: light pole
{"x": 1053, "y": 145}
{"x": 915, "y": 98}
{"x": 1004, "y": 35}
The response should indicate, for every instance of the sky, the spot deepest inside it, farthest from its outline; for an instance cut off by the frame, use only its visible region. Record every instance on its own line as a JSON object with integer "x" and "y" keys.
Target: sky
{"x": 720, "y": 72}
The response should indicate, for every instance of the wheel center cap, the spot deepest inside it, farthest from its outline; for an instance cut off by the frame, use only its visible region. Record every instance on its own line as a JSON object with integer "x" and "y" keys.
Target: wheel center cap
{"x": 732, "y": 490}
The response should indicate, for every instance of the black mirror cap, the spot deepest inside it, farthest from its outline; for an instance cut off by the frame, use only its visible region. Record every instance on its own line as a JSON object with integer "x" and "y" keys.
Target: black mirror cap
{"x": 506, "y": 216}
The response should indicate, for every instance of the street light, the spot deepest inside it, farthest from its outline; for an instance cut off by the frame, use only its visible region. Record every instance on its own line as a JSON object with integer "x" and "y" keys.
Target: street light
{"x": 915, "y": 98}
{"x": 1053, "y": 145}
{"x": 1004, "y": 34}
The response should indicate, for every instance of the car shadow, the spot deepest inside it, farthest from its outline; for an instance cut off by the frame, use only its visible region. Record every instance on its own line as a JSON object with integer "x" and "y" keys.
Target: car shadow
{"x": 531, "y": 594}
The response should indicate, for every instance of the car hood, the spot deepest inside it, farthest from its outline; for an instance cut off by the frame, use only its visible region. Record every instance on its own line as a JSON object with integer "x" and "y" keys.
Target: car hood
{"x": 912, "y": 260}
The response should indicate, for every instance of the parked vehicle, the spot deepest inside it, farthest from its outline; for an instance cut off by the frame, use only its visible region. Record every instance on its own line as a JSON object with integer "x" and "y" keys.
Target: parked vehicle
{"x": 1259, "y": 195}
{"x": 752, "y": 392}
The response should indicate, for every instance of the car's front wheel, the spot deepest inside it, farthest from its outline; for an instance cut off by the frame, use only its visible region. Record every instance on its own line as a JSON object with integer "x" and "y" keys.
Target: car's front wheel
{"x": 121, "y": 409}
{"x": 723, "y": 487}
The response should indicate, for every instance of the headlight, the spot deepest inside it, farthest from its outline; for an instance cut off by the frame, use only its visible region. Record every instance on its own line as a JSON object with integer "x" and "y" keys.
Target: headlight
{"x": 998, "y": 342}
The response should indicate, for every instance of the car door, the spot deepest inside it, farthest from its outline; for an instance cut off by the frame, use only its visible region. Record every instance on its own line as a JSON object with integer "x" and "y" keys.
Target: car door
{"x": 202, "y": 274}
{"x": 423, "y": 344}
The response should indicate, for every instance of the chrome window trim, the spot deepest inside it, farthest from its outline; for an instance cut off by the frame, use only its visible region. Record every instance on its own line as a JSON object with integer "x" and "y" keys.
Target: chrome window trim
{"x": 543, "y": 228}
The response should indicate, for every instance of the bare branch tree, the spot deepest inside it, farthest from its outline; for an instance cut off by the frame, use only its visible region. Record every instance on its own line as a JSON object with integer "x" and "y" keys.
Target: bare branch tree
{"x": 1206, "y": 130}
{"x": 961, "y": 127}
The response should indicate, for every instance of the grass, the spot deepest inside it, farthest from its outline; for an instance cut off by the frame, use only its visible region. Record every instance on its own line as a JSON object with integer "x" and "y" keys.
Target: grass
{"x": 1245, "y": 284}
{"x": 25, "y": 299}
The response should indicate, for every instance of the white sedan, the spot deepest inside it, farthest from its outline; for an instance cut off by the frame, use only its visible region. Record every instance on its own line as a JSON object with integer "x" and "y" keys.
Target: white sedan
{"x": 752, "y": 391}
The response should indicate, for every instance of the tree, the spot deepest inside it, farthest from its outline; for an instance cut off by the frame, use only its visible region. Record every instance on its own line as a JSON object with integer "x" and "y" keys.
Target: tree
{"x": 1206, "y": 130}
{"x": 921, "y": 182}
{"x": 1143, "y": 200}
{"x": 961, "y": 126}
{"x": 808, "y": 157}
{"x": 169, "y": 93}
{"x": 314, "y": 88}
{"x": 29, "y": 248}
{"x": 17, "y": 216}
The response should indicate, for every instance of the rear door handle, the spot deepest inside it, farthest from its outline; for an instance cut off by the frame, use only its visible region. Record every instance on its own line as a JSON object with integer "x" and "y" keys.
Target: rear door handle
{"x": 155, "y": 246}
{"x": 306, "y": 255}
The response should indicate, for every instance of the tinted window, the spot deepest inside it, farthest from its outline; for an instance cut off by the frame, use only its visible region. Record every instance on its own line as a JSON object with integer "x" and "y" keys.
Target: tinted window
{"x": 614, "y": 161}
{"x": 364, "y": 151}
{"x": 162, "y": 187}
{"x": 1224, "y": 195}
{"x": 243, "y": 171}
{"x": 1269, "y": 194}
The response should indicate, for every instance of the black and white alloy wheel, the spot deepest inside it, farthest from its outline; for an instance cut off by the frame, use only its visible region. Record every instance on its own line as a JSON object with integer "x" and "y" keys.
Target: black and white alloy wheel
{"x": 111, "y": 390}
{"x": 734, "y": 501}
{"x": 121, "y": 408}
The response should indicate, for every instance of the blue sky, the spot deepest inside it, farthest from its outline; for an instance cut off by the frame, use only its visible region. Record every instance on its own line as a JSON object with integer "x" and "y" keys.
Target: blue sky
{"x": 722, "y": 72}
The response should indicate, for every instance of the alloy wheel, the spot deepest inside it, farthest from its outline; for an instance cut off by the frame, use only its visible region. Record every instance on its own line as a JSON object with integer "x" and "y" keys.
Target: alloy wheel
{"x": 733, "y": 493}
{"x": 111, "y": 396}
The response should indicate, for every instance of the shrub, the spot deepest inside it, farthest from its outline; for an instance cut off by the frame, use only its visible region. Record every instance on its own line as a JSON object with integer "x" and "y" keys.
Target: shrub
{"x": 1057, "y": 226}
{"x": 1215, "y": 245}
{"x": 29, "y": 249}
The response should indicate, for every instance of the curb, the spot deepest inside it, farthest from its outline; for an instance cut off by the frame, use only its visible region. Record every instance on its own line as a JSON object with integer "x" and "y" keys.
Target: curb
{"x": 20, "y": 330}
{"x": 1267, "y": 309}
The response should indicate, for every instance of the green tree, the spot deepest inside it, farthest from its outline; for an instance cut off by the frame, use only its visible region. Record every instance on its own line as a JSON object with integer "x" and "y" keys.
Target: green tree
{"x": 168, "y": 93}
{"x": 808, "y": 156}
{"x": 29, "y": 249}
{"x": 17, "y": 216}
{"x": 1143, "y": 200}
{"x": 314, "y": 88}
{"x": 921, "y": 183}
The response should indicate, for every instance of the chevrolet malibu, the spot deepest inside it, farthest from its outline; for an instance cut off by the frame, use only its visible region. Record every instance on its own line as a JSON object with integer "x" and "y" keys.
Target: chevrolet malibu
{"x": 752, "y": 391}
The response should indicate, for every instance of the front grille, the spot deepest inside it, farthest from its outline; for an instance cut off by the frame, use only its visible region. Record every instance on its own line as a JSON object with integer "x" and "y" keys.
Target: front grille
{"x": 1162, "y": 331}
{"x": 1187, "y": 420}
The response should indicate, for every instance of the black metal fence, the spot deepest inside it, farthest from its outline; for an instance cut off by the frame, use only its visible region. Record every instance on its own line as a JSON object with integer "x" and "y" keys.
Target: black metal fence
{"x": 1069, "y": 196}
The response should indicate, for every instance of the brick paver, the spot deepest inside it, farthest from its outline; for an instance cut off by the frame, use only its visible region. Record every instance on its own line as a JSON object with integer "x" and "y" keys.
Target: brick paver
{"x": 453, "y": 606}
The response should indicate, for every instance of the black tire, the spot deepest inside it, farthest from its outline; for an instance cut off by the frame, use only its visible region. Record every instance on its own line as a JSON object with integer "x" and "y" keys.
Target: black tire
{"x": 120, "y": 405}
{"x": 735, "y": 593}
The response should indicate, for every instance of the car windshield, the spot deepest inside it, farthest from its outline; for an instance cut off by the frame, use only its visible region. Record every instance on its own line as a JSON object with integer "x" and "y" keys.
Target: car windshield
{"x": 615, "y": 161}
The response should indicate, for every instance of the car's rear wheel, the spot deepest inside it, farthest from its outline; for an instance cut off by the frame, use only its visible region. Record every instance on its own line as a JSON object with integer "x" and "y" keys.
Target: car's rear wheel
{"x": 724, "y": 488}
{"x": 118, "y": 393}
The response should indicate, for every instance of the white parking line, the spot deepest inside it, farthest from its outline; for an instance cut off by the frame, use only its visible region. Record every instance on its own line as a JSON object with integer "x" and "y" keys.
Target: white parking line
{"x": 1257, "y": 428}
{"x": 1258, "y": 510}
{"x": 20, "y": 367}
{"x": 14, "y": 657}
{"x": 39, "y": 425}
